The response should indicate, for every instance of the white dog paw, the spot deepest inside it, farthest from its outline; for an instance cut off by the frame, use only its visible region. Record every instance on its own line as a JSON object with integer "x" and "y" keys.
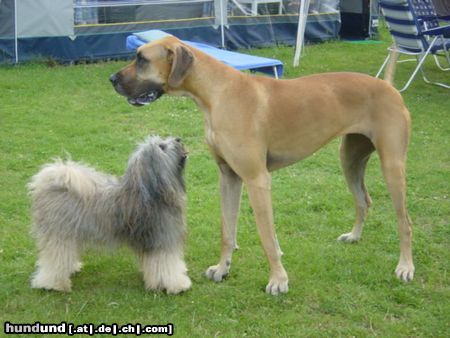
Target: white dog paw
{"x": 77, "y": 267}
{"x": 58, "y": 285}
{"x": 277, "y": 286}
{"x": 405, "y": 272}
{"x": 183, "y": 284}
{"x": 349, "y": 238}
{"x": 217, "y": 272}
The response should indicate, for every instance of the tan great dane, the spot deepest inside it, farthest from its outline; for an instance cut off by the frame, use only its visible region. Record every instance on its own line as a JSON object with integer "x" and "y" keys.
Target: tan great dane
{"x": 254, "y": 125}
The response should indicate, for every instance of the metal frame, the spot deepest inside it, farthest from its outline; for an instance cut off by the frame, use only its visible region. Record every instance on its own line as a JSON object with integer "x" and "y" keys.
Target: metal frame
{"x": 16, "y": 42}
{"x": 429, "y": 39}
{"x": 420, "y": 58}
{"x": 254, "y": 4}
{"x": 125, "y": 3}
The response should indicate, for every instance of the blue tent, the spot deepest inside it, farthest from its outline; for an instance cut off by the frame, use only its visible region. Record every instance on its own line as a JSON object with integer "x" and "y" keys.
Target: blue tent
{"x": 73, "y": 30}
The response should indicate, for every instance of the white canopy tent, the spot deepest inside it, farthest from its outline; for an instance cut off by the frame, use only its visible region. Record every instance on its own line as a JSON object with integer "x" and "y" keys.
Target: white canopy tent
{"x": 302, "y": 18}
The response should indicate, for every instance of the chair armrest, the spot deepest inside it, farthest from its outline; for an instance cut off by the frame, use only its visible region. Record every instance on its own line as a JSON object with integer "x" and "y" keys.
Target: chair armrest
{"x": 437, "y": 30}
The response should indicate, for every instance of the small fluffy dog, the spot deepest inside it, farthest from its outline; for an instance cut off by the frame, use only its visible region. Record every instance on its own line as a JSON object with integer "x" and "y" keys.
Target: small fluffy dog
{"x": 74, "y": 205}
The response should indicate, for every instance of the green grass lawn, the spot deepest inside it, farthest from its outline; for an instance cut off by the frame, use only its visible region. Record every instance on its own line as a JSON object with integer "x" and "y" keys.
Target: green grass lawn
{"x": 335, "y": 289}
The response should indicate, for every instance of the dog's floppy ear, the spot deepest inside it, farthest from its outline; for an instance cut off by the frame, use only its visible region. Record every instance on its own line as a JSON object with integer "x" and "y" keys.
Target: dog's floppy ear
{"x": 182, "y": 60}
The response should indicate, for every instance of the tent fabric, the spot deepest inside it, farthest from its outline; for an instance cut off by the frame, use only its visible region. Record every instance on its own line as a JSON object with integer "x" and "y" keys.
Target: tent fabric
{"x": 78, "y": 30}
{"x": 104, "y": 44}
{"x": 236, "y": 60}
{"x": 66, "y": 50}
{"x": 7, "y": 24}
{"x": 55, "y": 20}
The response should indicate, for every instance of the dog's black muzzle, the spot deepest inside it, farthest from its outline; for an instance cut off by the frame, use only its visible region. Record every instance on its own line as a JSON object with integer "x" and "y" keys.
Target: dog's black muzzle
{"x": 138, "y": 93}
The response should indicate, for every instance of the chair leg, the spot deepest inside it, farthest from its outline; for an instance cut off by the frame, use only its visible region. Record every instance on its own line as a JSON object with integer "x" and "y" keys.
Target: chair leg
{"x": 383, "y": 65}
{"x": 386, "y": 61}
{"x": 431, "y": 82}
{"x": 423, "y": 72}
{"x": 420, "y": 61}
{"x": 447, "y": 56}
{"x": 438, "y": 63}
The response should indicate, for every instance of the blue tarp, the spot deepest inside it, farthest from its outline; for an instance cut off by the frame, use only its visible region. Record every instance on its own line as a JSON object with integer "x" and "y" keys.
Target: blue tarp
{"x": 236, "y": 60}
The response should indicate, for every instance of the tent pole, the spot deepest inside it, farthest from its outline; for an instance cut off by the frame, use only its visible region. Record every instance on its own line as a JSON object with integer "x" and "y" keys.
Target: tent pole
{"x": 222, "y": 29}
{"x": 16, "y": 47}
{"x": 302, "y": 18}
{"x": 220, "y": 18}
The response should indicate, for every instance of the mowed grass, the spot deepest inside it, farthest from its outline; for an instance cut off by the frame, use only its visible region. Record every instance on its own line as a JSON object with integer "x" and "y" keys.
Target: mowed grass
{"x": 335, "y": 289}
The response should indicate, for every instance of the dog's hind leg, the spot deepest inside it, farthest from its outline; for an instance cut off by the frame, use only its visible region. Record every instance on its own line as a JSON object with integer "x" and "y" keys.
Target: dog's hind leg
{"x": 355, "y": 152}
{"x": 165, "y": 270}
{"x": 230, "y": 187}
{"x": 393, "y": 166}
{"x": 391, "y": 141}
{"x": 57, "y": 260}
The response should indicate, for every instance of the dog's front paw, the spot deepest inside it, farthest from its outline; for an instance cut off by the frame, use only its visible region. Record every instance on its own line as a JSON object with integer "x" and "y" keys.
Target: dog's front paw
{"x": 51, "y": 283}
{"x": 183, "y": 283}
{"x": 217, "y": 272}
{"x": 277, "y": 286}
{"x": 349, "y": 237}
{"x": 405, "y": 271}
{"x": 77, "y": 267}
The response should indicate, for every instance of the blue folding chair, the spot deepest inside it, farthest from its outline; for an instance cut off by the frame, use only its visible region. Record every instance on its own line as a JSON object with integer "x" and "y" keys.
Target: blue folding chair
{"x": 416, "y": 31}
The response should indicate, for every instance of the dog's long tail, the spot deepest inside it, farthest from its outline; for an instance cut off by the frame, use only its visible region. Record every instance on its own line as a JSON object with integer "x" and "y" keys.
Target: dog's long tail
{"x": 389, "y": 73}
{"x": 66, "y": 175}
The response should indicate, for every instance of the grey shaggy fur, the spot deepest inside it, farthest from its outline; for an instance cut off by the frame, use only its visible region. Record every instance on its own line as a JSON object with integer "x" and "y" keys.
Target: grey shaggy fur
{"x": 74, "y": 205}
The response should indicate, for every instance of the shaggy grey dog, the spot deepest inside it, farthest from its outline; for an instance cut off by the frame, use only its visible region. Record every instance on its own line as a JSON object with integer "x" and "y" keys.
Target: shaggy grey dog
{"x": 74, "y": 205}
